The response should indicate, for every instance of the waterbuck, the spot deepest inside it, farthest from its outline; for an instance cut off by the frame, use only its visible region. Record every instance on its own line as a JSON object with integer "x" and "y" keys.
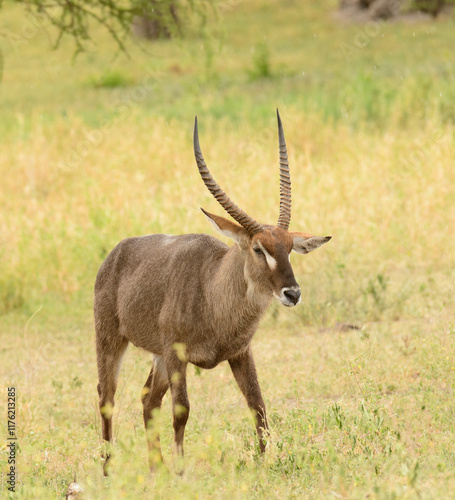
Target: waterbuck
{"x": 192, "y": 299}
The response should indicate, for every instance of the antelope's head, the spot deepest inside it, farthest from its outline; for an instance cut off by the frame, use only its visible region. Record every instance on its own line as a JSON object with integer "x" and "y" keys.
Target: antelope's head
{"x": 266, "y": 248}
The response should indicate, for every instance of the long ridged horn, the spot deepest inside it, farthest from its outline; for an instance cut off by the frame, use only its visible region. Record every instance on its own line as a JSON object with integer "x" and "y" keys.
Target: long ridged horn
{"x": 221, "y": 197}
{"x": 285, "y": 180}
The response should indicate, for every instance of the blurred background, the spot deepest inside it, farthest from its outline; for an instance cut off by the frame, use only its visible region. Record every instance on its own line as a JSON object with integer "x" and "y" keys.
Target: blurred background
{"x": 97, "y": 107}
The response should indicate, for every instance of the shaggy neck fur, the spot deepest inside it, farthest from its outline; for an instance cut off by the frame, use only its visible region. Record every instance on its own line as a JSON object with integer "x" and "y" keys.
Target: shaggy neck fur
{"x": 235, "y": 293}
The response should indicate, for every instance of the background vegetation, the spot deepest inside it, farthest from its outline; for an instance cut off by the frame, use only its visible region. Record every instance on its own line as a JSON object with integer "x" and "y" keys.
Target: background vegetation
{"x": 100, "y": 149}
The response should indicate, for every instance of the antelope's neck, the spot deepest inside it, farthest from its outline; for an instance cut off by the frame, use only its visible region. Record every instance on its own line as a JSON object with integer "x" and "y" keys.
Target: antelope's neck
{"x": 234, "y": 289}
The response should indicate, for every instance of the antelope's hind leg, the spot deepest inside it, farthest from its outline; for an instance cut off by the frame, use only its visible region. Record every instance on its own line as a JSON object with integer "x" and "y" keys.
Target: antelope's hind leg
{"x": 109, "y": 353}
{"x": 152, "y": 395}
{"x": 245, "y": 374}
{"x": 176, "y": 370}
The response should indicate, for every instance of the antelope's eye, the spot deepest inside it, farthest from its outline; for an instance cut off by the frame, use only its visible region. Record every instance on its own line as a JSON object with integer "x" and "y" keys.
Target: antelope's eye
{"x": 258, "y": 251}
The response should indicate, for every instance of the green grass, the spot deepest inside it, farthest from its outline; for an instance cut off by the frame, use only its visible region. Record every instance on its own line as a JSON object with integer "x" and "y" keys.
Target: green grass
{"x": 100, "y": 149}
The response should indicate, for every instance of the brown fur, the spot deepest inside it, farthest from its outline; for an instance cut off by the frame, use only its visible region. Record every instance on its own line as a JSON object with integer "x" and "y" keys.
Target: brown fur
{"x": 160, "y": 292}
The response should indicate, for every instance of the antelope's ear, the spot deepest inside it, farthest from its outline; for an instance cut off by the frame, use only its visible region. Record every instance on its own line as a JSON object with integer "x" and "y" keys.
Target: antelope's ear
{"x": 227, "y": 227}
{"x": 305, "y": 243}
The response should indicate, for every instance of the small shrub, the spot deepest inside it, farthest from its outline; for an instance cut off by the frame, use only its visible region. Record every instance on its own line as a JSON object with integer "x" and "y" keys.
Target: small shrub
{"x": 11, "y": 295}
{"x": 261, "y": 62}
{"x": 110, "y": 80}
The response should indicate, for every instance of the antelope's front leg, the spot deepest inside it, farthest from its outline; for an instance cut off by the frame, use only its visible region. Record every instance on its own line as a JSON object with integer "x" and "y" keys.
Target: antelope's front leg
{"x": 176, "y": 369}
{"x": 244, "y": 372}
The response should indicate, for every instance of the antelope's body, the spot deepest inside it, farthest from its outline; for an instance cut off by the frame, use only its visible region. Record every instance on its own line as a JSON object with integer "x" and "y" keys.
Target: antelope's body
{"x": 180, "y": 294}
{"x": 193, "y": 299}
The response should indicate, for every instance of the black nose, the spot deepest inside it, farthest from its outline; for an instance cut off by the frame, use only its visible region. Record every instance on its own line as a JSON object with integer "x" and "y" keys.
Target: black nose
{"x": 292, "y": 295}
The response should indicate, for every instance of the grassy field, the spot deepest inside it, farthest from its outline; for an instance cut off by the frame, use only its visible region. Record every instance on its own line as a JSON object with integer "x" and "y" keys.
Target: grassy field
{"x": 101, "y": 149}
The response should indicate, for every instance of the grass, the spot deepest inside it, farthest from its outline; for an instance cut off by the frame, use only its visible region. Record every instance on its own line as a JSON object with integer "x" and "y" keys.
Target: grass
{"x": 100, "y": 149}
